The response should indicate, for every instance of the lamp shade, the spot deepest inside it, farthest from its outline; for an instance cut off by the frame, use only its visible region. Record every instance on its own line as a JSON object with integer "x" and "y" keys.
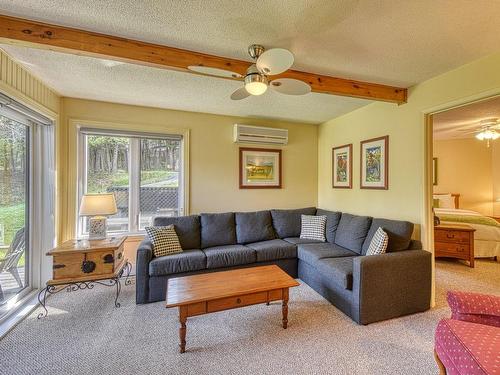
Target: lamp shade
{"x": 98, "y": 205}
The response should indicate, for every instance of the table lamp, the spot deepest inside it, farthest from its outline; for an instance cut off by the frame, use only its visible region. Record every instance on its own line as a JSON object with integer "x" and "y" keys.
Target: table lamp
{"x": 98, "y": 206}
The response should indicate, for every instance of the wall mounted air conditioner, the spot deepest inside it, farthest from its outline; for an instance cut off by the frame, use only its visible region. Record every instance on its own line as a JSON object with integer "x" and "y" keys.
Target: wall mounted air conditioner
{"x": 259, "y": 135}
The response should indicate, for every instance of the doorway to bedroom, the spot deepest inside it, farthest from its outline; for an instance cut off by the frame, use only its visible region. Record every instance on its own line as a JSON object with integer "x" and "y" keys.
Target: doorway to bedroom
{"x": 466, "y": 186}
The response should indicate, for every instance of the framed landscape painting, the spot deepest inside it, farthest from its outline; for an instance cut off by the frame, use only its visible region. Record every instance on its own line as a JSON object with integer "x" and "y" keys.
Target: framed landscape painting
{"x": 375, "y": 163}
{"x": 342, "y": 167}
{"x": 260, "y": 168}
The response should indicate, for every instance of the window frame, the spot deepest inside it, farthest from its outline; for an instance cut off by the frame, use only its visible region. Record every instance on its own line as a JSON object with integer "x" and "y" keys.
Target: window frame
{"x": 135, "y": 138}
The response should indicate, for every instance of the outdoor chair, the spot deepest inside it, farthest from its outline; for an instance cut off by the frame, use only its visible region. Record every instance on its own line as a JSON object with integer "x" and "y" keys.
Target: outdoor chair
{"x": 9, "y": 262}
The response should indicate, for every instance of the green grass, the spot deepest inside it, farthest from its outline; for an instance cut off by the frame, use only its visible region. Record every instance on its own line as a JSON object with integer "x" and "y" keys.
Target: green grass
{"x": 12, "y": 218}
{"x": 99, "y": 182}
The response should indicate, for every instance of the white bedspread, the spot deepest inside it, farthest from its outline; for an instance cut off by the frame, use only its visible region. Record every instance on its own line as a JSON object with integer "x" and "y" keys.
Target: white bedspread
{"x": 486, "y": 237}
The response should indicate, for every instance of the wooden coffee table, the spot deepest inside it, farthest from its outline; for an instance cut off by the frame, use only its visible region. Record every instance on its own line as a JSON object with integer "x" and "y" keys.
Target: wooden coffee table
{"x": 219, "y": 291}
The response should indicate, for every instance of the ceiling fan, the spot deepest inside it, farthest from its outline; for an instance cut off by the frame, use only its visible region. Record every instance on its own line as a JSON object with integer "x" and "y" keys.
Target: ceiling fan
{"x": 267, "y": 63}
{"x": 487, "y": 130}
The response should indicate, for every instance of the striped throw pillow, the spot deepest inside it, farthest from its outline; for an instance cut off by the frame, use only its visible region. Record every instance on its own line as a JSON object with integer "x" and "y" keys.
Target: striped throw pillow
{"x": 313, "y": 227}
{"x": 165, "y": 240}
{"x": 379, "y": 242}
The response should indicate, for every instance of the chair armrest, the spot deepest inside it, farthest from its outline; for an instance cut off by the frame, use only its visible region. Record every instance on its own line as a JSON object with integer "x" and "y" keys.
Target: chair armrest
{"x": 144, "y": 256}
{"x": 474, "y": 307}
{"x": 390, "y": 285}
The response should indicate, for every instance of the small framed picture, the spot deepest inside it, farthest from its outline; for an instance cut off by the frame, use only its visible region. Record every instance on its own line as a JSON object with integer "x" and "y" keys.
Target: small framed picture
{"x": 342, "y": 167}
{"x": 260, "y": 168}
{"x": 375, "y": 163}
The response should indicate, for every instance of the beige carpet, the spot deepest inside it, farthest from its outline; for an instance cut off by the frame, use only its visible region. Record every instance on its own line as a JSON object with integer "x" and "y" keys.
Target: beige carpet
{"x": 85, "y": 334}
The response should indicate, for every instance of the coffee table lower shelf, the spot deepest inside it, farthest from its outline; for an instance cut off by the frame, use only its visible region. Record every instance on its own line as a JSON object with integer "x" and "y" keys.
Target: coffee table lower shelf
{"x": 221, "y": 304}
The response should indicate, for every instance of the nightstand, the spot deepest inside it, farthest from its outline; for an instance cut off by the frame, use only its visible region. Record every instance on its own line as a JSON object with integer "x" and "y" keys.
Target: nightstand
{"x": 454, "y": 241}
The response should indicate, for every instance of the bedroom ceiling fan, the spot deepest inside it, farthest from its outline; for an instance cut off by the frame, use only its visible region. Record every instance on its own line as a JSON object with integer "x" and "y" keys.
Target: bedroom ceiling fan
{"x": 487, "y": 130}
{"x": 267, "y": 63}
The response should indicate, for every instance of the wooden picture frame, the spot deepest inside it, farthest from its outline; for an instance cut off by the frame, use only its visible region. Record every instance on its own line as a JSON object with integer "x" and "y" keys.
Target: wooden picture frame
{"x": 260, "y": 168}
{"x": 342, "y": 167}
{"x": 374, "y": 163}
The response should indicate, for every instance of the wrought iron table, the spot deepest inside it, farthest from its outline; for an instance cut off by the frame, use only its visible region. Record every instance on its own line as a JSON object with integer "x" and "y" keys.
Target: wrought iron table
{"x": 54, "y": 286}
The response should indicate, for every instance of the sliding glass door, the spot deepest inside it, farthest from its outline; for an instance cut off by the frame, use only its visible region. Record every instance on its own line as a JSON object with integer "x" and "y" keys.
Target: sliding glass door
{"x": 14, "y": 210}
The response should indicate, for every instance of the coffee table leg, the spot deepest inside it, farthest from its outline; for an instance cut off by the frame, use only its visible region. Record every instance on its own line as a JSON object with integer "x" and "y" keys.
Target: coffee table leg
{"x": 182, "y": 329}
{"x": 284, "y": 308}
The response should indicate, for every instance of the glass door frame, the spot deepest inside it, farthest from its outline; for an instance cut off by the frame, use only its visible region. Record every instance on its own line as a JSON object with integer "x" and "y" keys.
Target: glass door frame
{"x": 28, "y": 286}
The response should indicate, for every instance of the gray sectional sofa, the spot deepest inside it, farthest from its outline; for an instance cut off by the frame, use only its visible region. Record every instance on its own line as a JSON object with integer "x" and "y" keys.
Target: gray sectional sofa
{"x": 367, "y": 288}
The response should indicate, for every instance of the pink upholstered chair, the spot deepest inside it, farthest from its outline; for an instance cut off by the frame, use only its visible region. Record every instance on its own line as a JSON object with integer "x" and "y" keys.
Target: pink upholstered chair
{"x": 469, "y": 342}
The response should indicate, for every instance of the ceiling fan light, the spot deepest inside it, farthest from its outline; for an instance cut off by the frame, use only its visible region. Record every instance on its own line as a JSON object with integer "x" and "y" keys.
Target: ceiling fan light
{"x": 480, "y": 136}
{"x": 255, "y": 84}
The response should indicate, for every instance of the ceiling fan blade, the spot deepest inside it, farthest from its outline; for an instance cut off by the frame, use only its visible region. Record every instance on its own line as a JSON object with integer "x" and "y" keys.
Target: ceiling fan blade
{"x": 214, "y": 71}
{"x": 275, "y": 61}
{"x": 290, "y": 86}
{"x": 239, "y": 94}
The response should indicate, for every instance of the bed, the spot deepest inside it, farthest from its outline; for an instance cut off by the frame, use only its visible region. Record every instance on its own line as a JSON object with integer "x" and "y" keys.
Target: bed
{"x": 487, "y": 234}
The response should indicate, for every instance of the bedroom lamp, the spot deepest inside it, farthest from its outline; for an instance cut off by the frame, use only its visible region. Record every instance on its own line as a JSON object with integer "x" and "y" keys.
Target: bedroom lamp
{"x": 98, "y": 206}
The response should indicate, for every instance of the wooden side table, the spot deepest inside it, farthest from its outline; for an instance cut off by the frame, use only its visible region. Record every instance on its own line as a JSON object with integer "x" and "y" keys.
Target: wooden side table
{"x": 454, "y": 241}
{"x": 80, "y": 264}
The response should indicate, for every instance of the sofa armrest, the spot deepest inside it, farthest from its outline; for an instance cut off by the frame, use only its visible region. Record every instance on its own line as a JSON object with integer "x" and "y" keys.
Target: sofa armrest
{"x": 144, "y": 256}
{"x": 390, "y": 285}
{"x": 474, "y": 307}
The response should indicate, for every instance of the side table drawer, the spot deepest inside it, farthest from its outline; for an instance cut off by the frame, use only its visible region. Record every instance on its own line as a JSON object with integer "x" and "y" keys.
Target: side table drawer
{"x": 232, "y": 302}
{"x": 443, "y": 235}
{"x": 454, "y": 249}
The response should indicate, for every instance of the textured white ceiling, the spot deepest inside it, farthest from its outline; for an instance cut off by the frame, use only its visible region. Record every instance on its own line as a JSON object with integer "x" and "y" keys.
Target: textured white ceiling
{"x": 386, "y": 41}
{"x": 459, "y": 123}
{"x": 96, "y": 79}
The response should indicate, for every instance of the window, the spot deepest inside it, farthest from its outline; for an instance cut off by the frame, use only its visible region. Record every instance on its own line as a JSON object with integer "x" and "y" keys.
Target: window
{"x": 26, "y": 195}
{"x": 144, "y": 171}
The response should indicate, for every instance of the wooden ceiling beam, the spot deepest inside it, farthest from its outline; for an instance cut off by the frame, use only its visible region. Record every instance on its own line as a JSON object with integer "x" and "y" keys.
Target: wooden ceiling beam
{"x": 36, "y": 34}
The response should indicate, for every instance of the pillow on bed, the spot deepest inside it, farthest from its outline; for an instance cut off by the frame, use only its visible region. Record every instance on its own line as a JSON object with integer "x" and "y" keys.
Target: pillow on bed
{"x": 445, "y": 200}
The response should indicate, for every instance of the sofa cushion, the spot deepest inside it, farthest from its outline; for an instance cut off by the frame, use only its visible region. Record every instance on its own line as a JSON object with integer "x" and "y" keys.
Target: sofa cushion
{"x": 311, "y": 253}
{"x": 332, "y": 222}
{"x": 352, "y": 231}
{"x": 217, "y": 229}
{"x": 298, "y": 240}
{"x": 337, "y": 269}
{"x": 287, "y": 222}
{"x": 467, "y": 348}
{"x": 229, "y": 255}
{"x": 254, "y": 226}
{"x": 186, "y": 227}
{"x": 188, "y": 260}
{"x": 399, "y": 233}
{"x": 273, "y": 250}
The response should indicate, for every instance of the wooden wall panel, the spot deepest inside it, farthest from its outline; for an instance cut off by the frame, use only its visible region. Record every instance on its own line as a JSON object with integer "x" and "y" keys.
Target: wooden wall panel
{"x": 16, "y": 78}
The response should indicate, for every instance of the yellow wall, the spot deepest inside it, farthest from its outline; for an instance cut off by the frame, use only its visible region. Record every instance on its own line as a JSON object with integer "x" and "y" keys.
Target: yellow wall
{"x": 465, "y": 167}
{"x": 495, "y": 154}
{"x": 405, "y": 126}
{"x": 213, "y": 157}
